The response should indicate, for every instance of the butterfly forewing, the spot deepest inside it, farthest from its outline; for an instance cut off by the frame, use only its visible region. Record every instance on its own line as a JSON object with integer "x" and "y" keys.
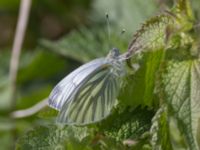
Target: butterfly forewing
{"x": 94, "y": 100}
{"x": 66, "y": 87}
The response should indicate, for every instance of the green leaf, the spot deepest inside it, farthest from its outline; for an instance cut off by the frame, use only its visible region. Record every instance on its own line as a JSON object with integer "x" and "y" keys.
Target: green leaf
{"x": 6, "y": 140}
{"x": 47, "y": 113}
{"x": 127, "y": 14}
{"x": 50, "y": 137}
{"x": 195, "y": 6}
{"x": 5, "y": 90}
{"x": 160, "y": 130}
{"x": 139, "y": 87}
{"x": 127, "y": 123}
{"x": 183, "y": 11}
{"x": 30, "y": 98}
{"x": 87, "y": 43}
{"x": 39, "y": 65}
{"x": 69, "y": 137}
{"x": 9, "y": 4}
{"x": 5, "y": 94}
{"x": 181, "y": 84}
{"x": 153, "y": 34}
{"x": 94, "y": 42}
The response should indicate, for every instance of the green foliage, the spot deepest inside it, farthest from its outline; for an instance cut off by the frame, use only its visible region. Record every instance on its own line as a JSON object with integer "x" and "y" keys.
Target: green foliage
{"x": 144, "y": 78}
{"x": 59, "y": 137}
{"x": 75, "y": 43}
{"x": 180, "y": 84}
{"x": 127, "y": 124}
{"x": 125, "y": 14}
{"x": 159, "y": 126}
{"x": 153, "y": 33}
{"x": 100, "y": 42}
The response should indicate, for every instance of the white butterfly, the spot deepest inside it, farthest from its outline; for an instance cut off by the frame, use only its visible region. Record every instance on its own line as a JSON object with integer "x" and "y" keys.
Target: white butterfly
{"x": 88, "y": 94}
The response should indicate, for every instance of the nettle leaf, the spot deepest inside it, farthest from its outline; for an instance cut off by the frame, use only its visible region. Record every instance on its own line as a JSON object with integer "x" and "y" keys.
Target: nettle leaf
{"x": 139, "y": 86}
{"x": 153, "y": 34}
{"x": 126, "y": 124}
{"x": 166, "y": 30}
{"x": 52, "y": 137}
{"x": 181, "y": 84}
{"x": 87, "y": 43}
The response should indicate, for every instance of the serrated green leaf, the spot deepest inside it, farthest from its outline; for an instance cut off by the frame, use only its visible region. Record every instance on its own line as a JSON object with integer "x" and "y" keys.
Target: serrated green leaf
{"x": 51, "y": 137}
{"x": 153, "y": 34}
{"x": 69, "y": 137}
{"x": 181, "y": 91}
{"x": 127, "y": 124}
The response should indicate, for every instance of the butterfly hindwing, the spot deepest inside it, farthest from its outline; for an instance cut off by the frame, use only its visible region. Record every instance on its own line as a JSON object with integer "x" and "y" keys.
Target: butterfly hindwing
{"x": 93, "y": 101}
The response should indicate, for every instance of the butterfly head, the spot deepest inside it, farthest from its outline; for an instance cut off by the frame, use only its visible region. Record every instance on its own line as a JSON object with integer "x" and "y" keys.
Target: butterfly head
{"x": 117, "y": 65}
{"x": 114, "y": 53}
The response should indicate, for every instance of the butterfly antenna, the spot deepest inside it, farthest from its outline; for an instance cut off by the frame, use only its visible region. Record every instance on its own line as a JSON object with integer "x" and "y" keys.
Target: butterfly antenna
{"x": 122, "y": 32}
{"x": 108, "y": 28}
{"x": 127, "y": 54}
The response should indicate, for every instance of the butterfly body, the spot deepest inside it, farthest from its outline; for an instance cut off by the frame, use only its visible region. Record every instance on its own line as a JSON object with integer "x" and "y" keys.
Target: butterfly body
{"x": 88, "y": 94}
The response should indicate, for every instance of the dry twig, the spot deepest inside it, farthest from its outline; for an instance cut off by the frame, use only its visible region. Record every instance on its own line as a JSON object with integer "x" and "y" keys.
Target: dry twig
{"x": 29, "y": 111}
{"x": 16, "y": 50}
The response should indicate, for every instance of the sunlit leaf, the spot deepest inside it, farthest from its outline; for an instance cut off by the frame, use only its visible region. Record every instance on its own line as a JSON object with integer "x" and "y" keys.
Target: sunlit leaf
{"x": 181, "y": 92}
{"x": 184, "y": 14}
{"x": 153, "y": 34}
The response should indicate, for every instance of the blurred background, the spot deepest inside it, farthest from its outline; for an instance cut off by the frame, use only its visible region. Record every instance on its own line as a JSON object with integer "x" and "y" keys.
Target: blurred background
{"x": 60, "y": 36}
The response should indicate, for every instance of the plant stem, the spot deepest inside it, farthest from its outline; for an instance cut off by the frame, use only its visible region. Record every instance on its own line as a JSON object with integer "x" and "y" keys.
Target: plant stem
{"x": 29, "y": 111}
{"x": 16, "y": 49}
{"x": 14, "y": 62}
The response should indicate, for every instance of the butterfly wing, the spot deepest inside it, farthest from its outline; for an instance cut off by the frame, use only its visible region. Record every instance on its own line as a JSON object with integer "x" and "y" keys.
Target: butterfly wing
{"x": 94, "y": 100}
{"x": 66, "y": 87}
